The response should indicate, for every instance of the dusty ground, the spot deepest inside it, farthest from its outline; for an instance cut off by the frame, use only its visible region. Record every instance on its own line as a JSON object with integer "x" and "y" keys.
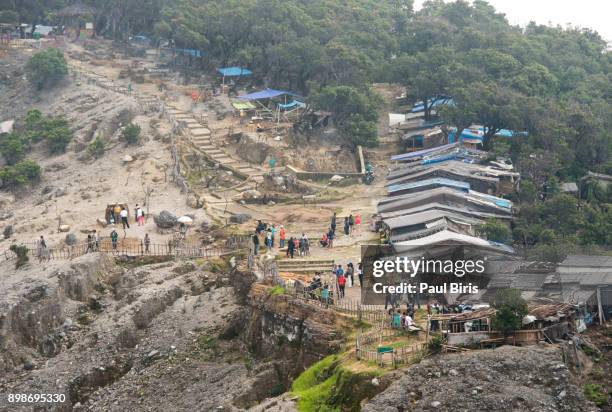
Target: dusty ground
{"x": 76, "y": 188}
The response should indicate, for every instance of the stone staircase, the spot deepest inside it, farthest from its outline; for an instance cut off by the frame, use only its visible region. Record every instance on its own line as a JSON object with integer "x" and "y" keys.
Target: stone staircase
{"x": 305, "y": 265}
{"x": 204, "y": 139}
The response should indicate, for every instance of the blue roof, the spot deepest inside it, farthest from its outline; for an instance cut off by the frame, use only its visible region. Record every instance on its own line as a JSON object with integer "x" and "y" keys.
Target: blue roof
{"x": 440, "y": 181}
{"x": 234, "y": 71}
{"x": 265, "y": 94}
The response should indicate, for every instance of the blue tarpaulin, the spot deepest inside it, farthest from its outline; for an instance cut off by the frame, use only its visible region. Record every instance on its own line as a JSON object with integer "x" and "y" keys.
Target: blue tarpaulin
{"x": 265, "y": 94}
{"x": 234, "y": 71}
{"x": 477, "y": 134}
{"x": 291, "y": 105}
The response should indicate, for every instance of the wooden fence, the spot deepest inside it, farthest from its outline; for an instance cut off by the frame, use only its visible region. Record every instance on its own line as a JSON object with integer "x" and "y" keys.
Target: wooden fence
{"x": 367, "y": 348}
{"x": 121, "y": 248}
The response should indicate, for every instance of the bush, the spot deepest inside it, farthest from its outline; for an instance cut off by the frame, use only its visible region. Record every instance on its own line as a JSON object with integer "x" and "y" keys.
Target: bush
{"x": 22, "y": 173}
{"x": 46, "y": 68}
{"x": 12, "y": 147}
{"x": 22, "y": 255}
{"x": 435, "y": 344}
{"x": 57, "y": 134}
{"x": 96, "y": 148}
{"x": 595, "y": 394}
{"x": 53, "y": 130}
{"x": 131, "y": 133}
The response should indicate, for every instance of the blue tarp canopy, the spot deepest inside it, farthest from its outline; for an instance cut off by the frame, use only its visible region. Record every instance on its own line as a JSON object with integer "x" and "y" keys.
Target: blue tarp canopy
{"x": 265, "y": 94}
{"x": 477, "y": 134}
{"x": 234, "y": 71}
{"x": 291, "y": 105}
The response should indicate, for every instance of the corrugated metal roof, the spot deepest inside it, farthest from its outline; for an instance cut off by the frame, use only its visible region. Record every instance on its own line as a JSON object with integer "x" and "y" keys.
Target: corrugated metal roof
{"x": 587, "y": 260}
{"x": 427, "y": 216}
{"x": 438, "y": 181}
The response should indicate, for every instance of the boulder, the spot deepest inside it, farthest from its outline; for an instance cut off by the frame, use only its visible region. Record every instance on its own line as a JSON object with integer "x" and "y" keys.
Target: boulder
{"x": 336, "y": 178}
{"x": 251, "y": 194}
{"x": 127, "y": 158}
{"x": 70, "y": 239}
{"x": 194, "y": 201}
{"x": 240, "y": 218}
{"x": 165, "y": 220}
{"x": 101, "y": 222}
{"x": 61, "y": 191}
{"x": 64, "y": 228}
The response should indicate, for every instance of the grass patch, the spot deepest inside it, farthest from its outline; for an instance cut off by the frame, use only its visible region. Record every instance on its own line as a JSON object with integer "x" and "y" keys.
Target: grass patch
{"x": 329, "y": 387}
{"x": 595, "y": 394}
{"x": 277, "y": 290}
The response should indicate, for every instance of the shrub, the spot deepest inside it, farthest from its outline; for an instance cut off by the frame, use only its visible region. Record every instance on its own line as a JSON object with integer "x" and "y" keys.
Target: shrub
{"x": 46, "y": 68}
{"x": 131, "y": 133}
{"x": 96, "y": 148}
{"x": 435, "y": 344}
{"x": 12, "y": 147}
{"x": 22, "y": 255}
{"x": 595, "y": 394}
{"x": 53, "y": 130}
{"x": 57, "y": 134}
{"x": 20, "y": 174}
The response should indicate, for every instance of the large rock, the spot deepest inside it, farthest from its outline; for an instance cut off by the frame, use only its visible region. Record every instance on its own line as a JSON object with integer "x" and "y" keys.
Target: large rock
{"x": 194, "y": 201}
{"x": 251, "y": 194}
{"x": 64, "y": 228}
{"x": 70, "y": 239}
{"x": 165, "y": 220}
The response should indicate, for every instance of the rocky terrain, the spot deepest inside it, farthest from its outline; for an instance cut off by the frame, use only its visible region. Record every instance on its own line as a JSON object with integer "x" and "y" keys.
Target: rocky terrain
{"x": 158, "y": 336}
{"x": 504, "y": 379}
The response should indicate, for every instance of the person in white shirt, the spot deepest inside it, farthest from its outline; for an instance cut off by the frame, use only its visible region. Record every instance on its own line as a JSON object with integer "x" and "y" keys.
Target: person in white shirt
{"x": 124, "y": 218}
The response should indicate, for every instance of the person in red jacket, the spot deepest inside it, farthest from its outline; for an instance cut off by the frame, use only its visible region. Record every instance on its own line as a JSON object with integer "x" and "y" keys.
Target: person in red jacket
{"x": 341, "y": 285}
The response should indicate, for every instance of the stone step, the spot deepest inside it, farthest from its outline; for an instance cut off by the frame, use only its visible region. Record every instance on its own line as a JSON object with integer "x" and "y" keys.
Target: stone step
{"x": 199, "y": 131}
{"x": 212, "y": 152}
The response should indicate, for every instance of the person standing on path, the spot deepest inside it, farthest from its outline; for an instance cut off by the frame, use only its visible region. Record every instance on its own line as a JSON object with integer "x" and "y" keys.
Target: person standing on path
{"x": 333, "y": 223}
{"x": 117, "y": 210}
{"x": 347, "y": 227}
{"x": 124, "y": 218}
{"x": 351, "y": 222}
{"x": 330, "y": 238}
{"x": 273, "y": 231}
{"x": 350, "y": 271}
{"x": 281, "y": 236}
{"x": 114, "y": 236}
{"x": 358, "y": 223}
{"x": 255, "y": 243}
{"x": 96, "y": 240}
{"x": 360, "y": 274}
{"x": 291, "y": 247}
{"x": 139, "y": 215}
{"x": 341, "y": 285}
{"x": 147, "y": 242}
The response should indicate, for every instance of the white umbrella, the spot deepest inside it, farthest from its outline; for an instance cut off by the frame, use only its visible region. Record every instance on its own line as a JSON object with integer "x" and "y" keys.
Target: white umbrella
{"x": 185, "y": 219}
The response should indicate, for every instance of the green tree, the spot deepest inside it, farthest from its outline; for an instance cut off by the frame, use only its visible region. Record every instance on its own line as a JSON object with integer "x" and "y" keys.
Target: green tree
{"x": 46, "y": 68}
{"x": 354, "y": 112}
{"x": 495, "y": 231}
{"x": 510, "y": 308}
{"x": 131, "y": 133}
